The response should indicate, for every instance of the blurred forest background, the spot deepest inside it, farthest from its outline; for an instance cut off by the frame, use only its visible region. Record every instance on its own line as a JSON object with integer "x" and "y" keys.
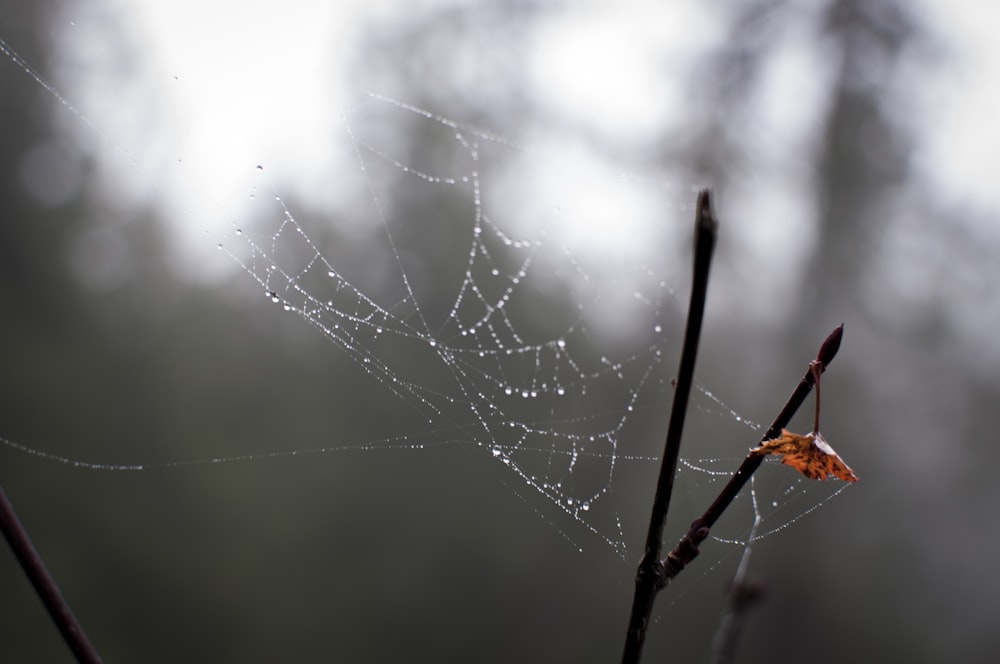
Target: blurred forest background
{"x": 112, "y": 352}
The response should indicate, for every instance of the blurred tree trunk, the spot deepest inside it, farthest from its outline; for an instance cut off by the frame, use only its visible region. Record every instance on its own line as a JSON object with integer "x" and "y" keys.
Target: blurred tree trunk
{"x": 864, "y": 153}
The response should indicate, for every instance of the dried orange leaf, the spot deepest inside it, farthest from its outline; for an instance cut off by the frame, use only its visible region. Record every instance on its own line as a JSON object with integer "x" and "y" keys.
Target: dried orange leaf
{"x": 810, "y": 454}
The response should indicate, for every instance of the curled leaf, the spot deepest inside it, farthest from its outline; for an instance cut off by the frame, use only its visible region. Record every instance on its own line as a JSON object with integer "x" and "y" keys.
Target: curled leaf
{"x": 810, "y": 454}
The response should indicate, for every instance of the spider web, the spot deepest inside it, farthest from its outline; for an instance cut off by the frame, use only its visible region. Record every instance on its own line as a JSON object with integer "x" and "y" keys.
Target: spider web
{"x": 554, "y": 363}
{"x": 534, "y": 394}
{"x": 539, "y": 397}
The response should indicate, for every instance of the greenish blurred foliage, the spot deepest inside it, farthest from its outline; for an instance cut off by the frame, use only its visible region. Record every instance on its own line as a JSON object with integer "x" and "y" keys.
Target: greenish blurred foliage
{"x": 439, "y": 554}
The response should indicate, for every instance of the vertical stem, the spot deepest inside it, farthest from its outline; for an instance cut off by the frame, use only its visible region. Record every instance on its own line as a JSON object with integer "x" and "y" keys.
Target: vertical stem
{"x": 44, "y": 584}
{"x": 649, "y": 577}
{"x": 705, "y": 233}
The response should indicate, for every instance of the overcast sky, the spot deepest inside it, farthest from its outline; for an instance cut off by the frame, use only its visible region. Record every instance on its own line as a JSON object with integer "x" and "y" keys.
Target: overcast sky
{"x": 222, "y": 87}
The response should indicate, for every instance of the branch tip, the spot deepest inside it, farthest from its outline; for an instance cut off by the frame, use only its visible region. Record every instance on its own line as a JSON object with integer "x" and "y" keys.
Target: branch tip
{"x": 705, "y": 219}
{"x": 830, "y": 346}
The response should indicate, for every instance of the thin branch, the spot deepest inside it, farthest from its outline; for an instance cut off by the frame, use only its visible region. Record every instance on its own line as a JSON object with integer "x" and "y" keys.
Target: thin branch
{"x": 743, "y": 594}
{"x": 649, "y": 577}
{"x": 687, "y": 549}
{"x": 43, "y": 583}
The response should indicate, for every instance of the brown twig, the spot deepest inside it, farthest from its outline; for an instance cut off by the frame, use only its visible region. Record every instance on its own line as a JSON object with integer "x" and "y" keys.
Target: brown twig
{"x": 44, "y": 584}
{"x": 654, "y": 574}
{"x": 649, "y": 578}
{"x": 687, "y": 549}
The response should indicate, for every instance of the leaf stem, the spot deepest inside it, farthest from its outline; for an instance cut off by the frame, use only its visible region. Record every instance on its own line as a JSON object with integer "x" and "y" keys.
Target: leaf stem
{"x": 816, "y": 370}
